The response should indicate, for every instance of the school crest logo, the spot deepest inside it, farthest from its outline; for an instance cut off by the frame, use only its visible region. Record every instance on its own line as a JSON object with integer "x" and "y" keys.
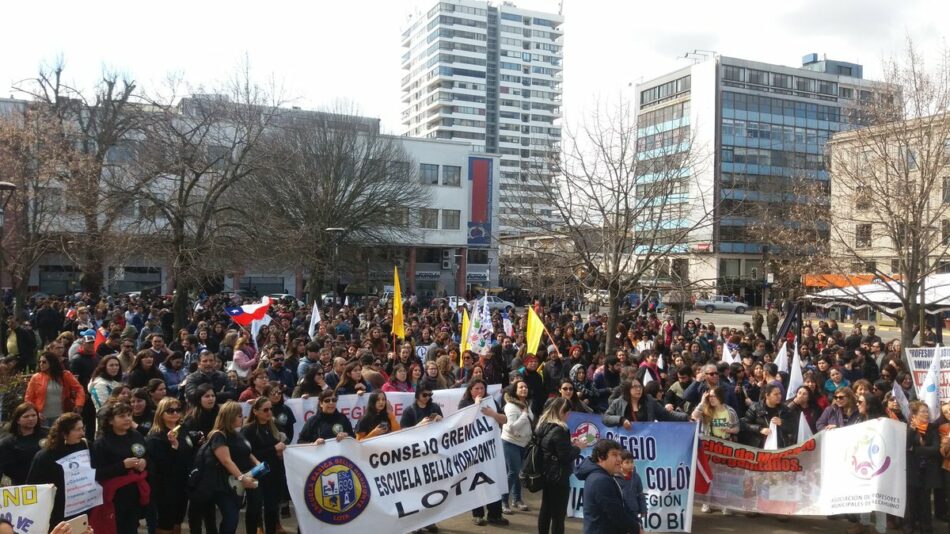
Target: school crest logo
{"x": 588, "y": 432}
{"x": 336, "y": 491}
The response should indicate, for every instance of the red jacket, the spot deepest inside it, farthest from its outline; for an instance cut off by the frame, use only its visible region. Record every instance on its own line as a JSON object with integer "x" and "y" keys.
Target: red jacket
{"x": 102, "y": 517}
{"x": 73, "y": 395}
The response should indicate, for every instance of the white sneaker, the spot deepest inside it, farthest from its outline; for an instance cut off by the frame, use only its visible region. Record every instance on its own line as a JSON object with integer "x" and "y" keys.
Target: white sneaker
{"x": 705, "y": 509}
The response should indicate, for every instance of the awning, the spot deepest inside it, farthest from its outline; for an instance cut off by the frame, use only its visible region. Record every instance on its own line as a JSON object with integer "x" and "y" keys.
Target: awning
{"x": 825, "y": 280}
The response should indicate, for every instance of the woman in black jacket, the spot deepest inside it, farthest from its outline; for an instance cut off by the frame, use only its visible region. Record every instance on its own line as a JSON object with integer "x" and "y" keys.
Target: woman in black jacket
{"x": 118, "y": 452}
{"x": 171, "y": 452}
{"x": 633, "y": 406}
{"x": 267, "y": 446}
{"x": 21, "y": 445}
{"x": 327, "y": 423}
{"x": 143, "y": 369}
{"x": 475, "y": 391}
{"x": 755, "y": 425}
{"x": 559, "y": 451}
{"x": 65, "y": 437}
{"x": 923, "y": 468}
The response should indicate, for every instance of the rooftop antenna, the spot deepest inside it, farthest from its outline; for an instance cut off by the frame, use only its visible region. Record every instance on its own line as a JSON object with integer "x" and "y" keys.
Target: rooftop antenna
{"x": 699, "y": 55}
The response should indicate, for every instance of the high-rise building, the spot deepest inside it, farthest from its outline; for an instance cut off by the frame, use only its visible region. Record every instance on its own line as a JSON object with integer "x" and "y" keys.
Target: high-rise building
{"x": 764, "y": 129}
{"x": 491, "y": 75}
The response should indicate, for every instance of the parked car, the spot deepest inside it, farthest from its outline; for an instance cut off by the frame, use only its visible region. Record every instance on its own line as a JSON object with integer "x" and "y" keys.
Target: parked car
{"x": 494, "y": 303}
{"x": 721, "y": 303}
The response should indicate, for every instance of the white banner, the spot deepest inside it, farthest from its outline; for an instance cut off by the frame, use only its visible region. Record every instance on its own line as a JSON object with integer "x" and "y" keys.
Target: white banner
{"x": 82, "y": 492}
{"x": 404, "y": 480}
{"x": 920, "y": 358}
{"x": 28, "y": 507}
{"x": 353, "y": 406}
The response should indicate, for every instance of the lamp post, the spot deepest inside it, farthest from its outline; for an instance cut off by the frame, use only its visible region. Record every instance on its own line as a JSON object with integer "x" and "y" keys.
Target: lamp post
{"x": 6, "y": 193}
{"x": 336, "y": 233}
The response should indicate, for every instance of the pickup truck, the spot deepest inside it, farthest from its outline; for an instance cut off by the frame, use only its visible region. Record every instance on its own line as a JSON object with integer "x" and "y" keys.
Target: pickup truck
{"x": 721, "y": 303}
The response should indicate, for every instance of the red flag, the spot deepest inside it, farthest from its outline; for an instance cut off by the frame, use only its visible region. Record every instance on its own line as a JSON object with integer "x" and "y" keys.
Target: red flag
{"x": 704, "y": 473}
{"x": 100, "y": 338}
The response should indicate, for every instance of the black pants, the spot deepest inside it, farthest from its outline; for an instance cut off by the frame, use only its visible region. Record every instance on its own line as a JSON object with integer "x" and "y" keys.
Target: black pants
{"x": 494, "y": 511}
{"x": 269, "y": 496}
{"x": 917, "y": 515}
{"x": 202, "y": 513}
{"x": 553, "y": 507}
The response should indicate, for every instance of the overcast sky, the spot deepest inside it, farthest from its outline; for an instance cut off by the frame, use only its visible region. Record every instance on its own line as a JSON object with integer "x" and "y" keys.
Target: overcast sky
{"x": 325, "y": 50}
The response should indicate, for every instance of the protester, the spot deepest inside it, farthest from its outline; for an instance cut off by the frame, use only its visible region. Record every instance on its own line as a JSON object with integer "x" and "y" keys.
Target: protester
{"x": 53, "y": 390}
{"x": 378, "y": 419}
{"x": 119, "y": 457}
{"x": 312, "y": 383}
{"x": 233, "y": 455}
{"x": 106, "y": 377}
{"x": 632, "y": 406}
{"x": 605, "y": 509}
{"x": 257, "y": 382}
{"x": 515, "y": 435}
{"x": 267, "y": 445}
{"x": 171, "y": 452}
{"x": 475, "y": 391}
{"x": 560, "y": 451}
{"x": 327, "y": 423}
{"x": 421, "y": 411}
{"x": 923, "y": 469}
{"x": 17, "y": 449}
{"x": 143, "y": 369}
{"x": 66, "y": 436}
{"x": 844, "y": 411}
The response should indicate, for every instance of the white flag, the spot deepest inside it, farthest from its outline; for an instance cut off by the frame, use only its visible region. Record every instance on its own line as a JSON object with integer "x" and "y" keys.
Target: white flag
{"x": 898, "y": 393}
{"x": 661, "y": 364}
{"x": 346, "y": 301}
{"x": 804, "y": 431}
{"x": 647, "y": 378}
{"x": 771, "y": 442}
{"x": 795, "y": 378}
{"x": 256, "y": 326}
{"x": 314, "y": 319}
{"x": 781, "y": 359}
{"x": 727, "y": 354}
{"x": 929, "y": 391}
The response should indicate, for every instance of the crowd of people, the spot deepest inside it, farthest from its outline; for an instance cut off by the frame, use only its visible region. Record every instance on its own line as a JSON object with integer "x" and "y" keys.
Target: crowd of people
{"x": 112, "y": 376}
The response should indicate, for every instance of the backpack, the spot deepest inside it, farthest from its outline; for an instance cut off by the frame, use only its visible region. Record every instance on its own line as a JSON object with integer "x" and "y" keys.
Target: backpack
{"x": 204, "y": 479}
{"x": 533, "y": 473}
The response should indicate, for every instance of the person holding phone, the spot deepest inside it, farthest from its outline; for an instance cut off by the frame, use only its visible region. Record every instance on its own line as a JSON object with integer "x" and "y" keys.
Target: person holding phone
{"x": 267, "y": 444}
{"x": 172, "y": 453}
{"x": 233, "y": 454}
{"x": 120, "y": 459}
{"x": 379, "y": 418}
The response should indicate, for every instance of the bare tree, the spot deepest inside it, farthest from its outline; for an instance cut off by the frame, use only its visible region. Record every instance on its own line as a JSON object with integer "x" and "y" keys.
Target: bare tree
{"x": 38, "y": 160}
{"x": 193, "y": 152}
{"x": 628, "y": 203}
{"x": 95, "y": 123}
{"x": 330, "y": 179}
{"x": 891, "y": 187}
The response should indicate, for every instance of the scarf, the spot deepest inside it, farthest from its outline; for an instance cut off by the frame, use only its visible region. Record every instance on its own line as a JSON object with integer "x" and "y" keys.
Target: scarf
{"x": 921, "y": 427}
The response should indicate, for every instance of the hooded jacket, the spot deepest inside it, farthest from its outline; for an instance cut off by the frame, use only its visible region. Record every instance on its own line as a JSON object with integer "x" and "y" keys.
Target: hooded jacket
{"x": 605, "y": 509}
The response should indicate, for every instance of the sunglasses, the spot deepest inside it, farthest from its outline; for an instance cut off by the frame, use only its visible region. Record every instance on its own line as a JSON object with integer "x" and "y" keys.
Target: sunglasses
{"x": 839, "y": 397}
{"x": 331, "y": 399}
{"x": 173, "y": 410}
{"x": 426, "y": 395}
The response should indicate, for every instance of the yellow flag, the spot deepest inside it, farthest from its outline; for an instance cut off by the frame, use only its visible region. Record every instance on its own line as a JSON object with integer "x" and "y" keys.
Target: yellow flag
{"x": 399, "y": 326}
{"x": 466, "y": 325}
{"x": 535, "y": 329}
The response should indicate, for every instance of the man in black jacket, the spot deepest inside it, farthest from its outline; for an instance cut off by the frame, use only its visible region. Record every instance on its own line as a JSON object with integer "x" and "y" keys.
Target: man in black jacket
{"x": 207, "y": 374}
{"x": 23, "y": 344}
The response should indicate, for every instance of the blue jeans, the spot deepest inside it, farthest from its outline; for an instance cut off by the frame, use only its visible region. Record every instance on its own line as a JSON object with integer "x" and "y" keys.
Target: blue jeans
{"x": 514, "y": 459}
{"x": 230, "y": 506}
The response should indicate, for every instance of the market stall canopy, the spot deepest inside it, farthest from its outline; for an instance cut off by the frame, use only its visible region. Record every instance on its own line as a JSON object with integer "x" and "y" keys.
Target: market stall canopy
{"x": 826, "y": 280}
{"x": 886, "y": 294}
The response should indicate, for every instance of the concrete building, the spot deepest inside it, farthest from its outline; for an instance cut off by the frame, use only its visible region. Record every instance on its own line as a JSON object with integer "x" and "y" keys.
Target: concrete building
{"x": 890, "y": 199}
{"x": 490, "y": 75}
{"x": 765, "y": 127}
{"x": 455, "y": 249}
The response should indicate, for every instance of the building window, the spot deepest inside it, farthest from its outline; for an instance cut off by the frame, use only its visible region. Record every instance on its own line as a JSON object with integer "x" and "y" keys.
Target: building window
{"x": 451, "y": 175}
{"x": 429, "y": 218}
{"x": 862, "y": 236}
{"x": 400, "y": 217}
{"x": 477, "y": 257}
{"x": 862, "y": 198}
{"x": 429, "y": 174}
{"x": 946, "y": 189}
{"x": 895, "y": 266}
{"x": 945, "y": 231}
{"x": 450, "y": 219}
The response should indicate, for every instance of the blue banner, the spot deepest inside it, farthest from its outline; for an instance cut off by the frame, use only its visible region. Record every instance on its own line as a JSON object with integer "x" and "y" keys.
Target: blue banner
{"x": 665, "y": 457}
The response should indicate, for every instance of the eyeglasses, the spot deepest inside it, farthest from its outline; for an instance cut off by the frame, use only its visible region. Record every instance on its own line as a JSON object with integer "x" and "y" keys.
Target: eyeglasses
{"x": 328, "y": 400}
{"x": 860, "y": 402}
{"x": 839, "y": 397}
{"x": 173, "y": 410}
{"x": 425, "y": 395}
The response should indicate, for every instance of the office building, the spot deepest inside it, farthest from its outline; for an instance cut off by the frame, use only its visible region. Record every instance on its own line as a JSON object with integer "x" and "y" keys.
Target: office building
{"x": 764, "y": 129}
{"x": 490, "y": 75}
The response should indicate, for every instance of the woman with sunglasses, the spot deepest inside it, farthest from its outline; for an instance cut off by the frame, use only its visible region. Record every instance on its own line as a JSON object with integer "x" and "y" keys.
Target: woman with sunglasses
{"x": 312, "y": 384}
{"x": 171, "y": 452}
{"x": 842, "y": 412}
{"x": 567, "y": 391}
{"x": 267, "y": 445}
{"x": 421, "y": 411}
{"x": 327, "y": 423}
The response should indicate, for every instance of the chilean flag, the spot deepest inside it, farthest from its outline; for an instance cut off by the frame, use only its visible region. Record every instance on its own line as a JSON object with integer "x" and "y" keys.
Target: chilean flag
{"x": 246, "y": 314}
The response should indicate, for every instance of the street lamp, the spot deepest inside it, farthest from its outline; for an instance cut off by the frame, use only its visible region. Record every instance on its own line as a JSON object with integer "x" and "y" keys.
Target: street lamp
{"x": 336, "y": 232}
{"x": 6, "y": 193}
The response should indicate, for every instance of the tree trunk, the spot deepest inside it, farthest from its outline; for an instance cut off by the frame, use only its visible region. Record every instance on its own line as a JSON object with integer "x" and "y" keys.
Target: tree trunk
{"x": 613, "y": 309}
{"x": 315, "y": 284}
{"x": 180, "y": 303}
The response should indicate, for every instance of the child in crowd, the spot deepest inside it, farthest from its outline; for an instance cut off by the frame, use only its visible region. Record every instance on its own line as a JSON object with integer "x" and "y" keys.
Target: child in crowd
{"x": 632, "y": 489}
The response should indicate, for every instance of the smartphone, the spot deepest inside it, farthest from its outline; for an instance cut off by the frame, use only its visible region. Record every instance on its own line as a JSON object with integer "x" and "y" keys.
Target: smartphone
{"x": 79, "y": 525}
